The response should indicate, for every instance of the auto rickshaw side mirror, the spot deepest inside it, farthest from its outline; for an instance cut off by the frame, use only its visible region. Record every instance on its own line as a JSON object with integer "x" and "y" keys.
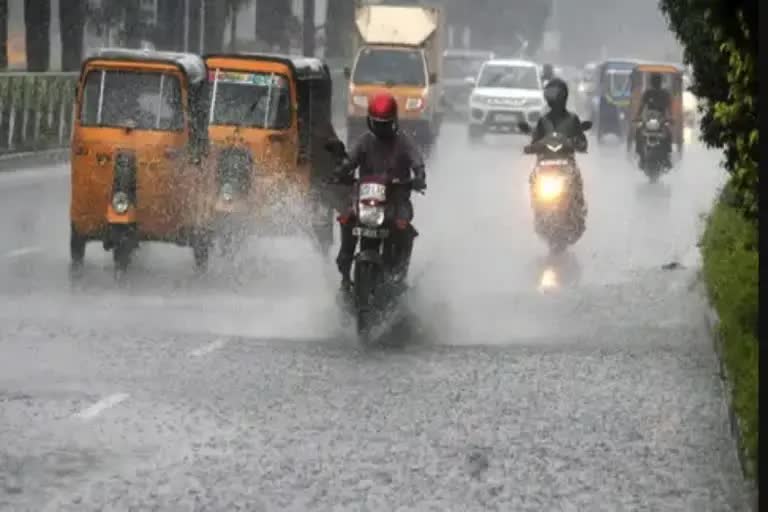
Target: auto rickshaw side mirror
{"x": 524, "y": 127}
{"x": 347, "y": 73}
{"x": 586, "y": 125}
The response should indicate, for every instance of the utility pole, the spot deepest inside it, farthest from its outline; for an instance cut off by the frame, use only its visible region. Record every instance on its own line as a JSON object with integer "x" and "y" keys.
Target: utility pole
{"x": 202, "y": 26}
{"x": 186, "y": 25}
{"x": 308, "y": 36}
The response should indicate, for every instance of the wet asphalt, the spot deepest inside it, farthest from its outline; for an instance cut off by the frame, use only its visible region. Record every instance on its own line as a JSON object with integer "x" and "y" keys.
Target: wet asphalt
{"x": 510, "y": 381}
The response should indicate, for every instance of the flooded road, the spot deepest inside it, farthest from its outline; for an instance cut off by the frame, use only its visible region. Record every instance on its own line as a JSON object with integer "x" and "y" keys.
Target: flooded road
{"x": 519, "y": 383}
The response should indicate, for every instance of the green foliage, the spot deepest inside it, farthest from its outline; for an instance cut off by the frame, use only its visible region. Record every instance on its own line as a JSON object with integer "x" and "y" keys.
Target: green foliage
{"x": 730, "y": 253}
{"x": 720, "y": 39}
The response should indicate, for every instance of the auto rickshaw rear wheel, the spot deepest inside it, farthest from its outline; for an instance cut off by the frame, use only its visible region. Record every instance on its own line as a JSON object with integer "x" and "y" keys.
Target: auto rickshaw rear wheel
{"x": 76, "y": 247}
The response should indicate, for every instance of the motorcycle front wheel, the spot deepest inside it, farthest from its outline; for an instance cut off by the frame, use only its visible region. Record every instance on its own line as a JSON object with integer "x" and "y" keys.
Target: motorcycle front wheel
{"x": 365, "y": 275}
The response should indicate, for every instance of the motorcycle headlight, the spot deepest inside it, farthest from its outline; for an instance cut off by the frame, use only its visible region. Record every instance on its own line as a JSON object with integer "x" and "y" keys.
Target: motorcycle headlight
{"x": 549, "y": 187}
{"x": 121, "y": 202}
{"x": 372, "y": 216}
{"x": 653, "y": 124}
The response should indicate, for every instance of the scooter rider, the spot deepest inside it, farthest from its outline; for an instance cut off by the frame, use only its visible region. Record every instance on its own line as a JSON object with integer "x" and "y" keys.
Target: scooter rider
{"x": 560, "y": 120}
{"x": 382, "y": 150}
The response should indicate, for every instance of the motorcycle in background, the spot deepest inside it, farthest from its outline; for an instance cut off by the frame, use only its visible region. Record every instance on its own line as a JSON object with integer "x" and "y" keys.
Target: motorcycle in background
{"x": 654, "y": 144}
{"x": 558, "y": 217}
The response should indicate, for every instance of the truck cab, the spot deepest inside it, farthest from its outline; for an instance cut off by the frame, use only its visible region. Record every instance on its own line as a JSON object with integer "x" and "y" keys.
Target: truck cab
{"x": 402, "y": 58}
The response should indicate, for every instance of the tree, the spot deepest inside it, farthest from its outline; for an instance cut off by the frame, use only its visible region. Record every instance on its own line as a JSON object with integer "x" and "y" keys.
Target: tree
{"x": 339, "y": 24}
{"x": 37, "y": 22}
{"x": 72, "y": 24}
{"x": 3, "y": 34}
{"x": 272, "y": 21}
{"x": 720, "y": 39}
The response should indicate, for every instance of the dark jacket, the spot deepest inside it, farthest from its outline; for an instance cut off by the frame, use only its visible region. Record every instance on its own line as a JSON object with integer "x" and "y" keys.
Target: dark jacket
{"x": 656, "y": 99}
{"x": 396, "y": 157}
{"x": 566, "y": 123}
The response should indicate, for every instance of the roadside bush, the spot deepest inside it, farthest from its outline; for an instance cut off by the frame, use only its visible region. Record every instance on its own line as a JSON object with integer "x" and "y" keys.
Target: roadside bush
{"x": 730, "y": 254}
{"x": 720, "y": 40}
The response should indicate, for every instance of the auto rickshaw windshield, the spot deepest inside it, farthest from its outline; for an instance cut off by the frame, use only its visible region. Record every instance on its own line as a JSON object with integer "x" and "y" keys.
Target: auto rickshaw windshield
{"x": 619, "y": 83}
{"x": 132, "y": 99}
{"x": 248, "y": 99}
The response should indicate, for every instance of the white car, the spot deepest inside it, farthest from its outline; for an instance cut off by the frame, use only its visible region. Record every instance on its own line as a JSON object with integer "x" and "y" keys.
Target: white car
{"x": 507, "y": 91}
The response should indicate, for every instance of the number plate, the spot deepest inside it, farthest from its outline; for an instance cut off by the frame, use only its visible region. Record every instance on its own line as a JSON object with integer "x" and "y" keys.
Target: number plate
{"x": 506, "y": 118}
{"x": 370, "y": 232}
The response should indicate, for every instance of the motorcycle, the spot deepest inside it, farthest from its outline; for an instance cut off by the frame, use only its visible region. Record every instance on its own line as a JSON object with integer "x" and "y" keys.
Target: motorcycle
{"x": 653, "y": 137}
{"x": 379, "y": 267}
{"x": 558, "y": 218}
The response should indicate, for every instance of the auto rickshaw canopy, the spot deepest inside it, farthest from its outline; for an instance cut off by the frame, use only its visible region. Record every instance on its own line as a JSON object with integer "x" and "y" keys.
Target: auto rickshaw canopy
{"x": 672, "y": 82}
{"x": 191, "y": 65}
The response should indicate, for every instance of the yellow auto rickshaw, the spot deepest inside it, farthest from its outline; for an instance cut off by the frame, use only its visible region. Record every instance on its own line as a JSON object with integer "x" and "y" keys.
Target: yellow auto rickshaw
{"x": 137, "y": 156}
{"x": 672, "y": 82}
{"x": 264, "y": 111}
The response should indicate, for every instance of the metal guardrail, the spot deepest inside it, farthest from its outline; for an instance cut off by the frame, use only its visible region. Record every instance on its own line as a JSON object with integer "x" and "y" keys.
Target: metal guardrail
{"x": 37, "y": 109}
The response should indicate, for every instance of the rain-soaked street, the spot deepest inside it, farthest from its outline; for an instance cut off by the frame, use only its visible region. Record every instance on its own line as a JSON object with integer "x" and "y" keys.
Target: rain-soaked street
{"x": 516, "y": 384}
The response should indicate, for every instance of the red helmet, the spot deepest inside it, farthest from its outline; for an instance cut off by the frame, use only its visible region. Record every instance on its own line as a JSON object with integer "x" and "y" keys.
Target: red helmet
{"x": 382, "y": 115}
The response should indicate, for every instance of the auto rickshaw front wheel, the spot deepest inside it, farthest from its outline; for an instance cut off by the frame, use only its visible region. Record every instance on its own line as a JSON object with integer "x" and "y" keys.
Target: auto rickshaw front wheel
{"x": 201, "y": 249}
{"x": 121, "y": 256}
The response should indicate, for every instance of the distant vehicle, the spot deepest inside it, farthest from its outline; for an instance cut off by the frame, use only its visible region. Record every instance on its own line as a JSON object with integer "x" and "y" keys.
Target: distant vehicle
{"x": 586, "y": 87}
{"x": 507, "y": 92}
{"x": 398, "y": 48}
{"x": 460, "y": 68}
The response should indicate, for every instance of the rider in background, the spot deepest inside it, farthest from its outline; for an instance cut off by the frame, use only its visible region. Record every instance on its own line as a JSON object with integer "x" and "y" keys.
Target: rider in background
{"x": 562, "y": 121}
{"x": 384, "y": 149}
{"x": 658, "y": 99}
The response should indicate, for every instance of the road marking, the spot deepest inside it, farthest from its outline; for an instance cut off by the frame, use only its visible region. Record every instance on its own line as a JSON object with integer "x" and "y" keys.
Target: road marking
{"x": 207, "y": 349}
{"x": 24, "y": 251}
{"x": 101, "y": 406}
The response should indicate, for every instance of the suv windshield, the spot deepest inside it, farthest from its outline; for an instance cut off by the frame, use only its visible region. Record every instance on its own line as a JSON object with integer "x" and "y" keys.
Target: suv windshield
{"x": 253, "y": 100}
{"x": 510, "y": 77}
{"x": 462, "y": 67}
{"x": 132, "y": 99}
{"x": 382, "y": 67}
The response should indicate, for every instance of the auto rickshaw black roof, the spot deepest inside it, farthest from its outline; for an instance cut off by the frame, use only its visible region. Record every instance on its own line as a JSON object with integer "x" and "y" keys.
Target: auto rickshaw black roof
{"x": 188, "y": 63}
{"x": 303, "y": 68}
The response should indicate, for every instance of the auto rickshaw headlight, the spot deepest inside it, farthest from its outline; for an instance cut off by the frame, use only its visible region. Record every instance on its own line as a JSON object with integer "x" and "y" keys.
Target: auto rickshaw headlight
{"x": 360, "y": 101}
{"x": 121, "y": 202}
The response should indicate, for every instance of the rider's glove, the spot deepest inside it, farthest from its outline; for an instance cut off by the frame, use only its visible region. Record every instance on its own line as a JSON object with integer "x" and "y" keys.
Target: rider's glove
{"x": 419, "y": 180}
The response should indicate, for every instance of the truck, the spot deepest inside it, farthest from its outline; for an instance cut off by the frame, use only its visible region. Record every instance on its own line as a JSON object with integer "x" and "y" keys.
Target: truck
{"x": 399, "y": 49}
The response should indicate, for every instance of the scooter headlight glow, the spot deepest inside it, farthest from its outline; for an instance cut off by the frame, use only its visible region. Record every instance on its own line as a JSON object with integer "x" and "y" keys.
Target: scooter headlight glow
{"x": 653, "y": 124}
{"x": 121, "y": 202}
{"x": 549, "y": 187}
{"x": 371, "y": 215}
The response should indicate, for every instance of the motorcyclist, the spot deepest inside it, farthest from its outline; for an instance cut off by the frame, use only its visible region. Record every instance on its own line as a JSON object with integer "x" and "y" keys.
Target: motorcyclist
{"x": 658, "y": 99}
{"x": 547, "y": 73}
{"x": 568, "y": 124}
{"x": 384, "y": 149}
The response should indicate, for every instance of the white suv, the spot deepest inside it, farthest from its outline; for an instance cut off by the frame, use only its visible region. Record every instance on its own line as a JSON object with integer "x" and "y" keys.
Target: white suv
{"x": 506, "y": 92}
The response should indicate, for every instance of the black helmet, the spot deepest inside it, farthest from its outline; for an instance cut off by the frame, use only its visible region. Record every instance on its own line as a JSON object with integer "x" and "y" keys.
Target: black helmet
{"x": 656, "y": 81}
{"x": 547, "y": 72}
{"x": 556, "y": 94}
